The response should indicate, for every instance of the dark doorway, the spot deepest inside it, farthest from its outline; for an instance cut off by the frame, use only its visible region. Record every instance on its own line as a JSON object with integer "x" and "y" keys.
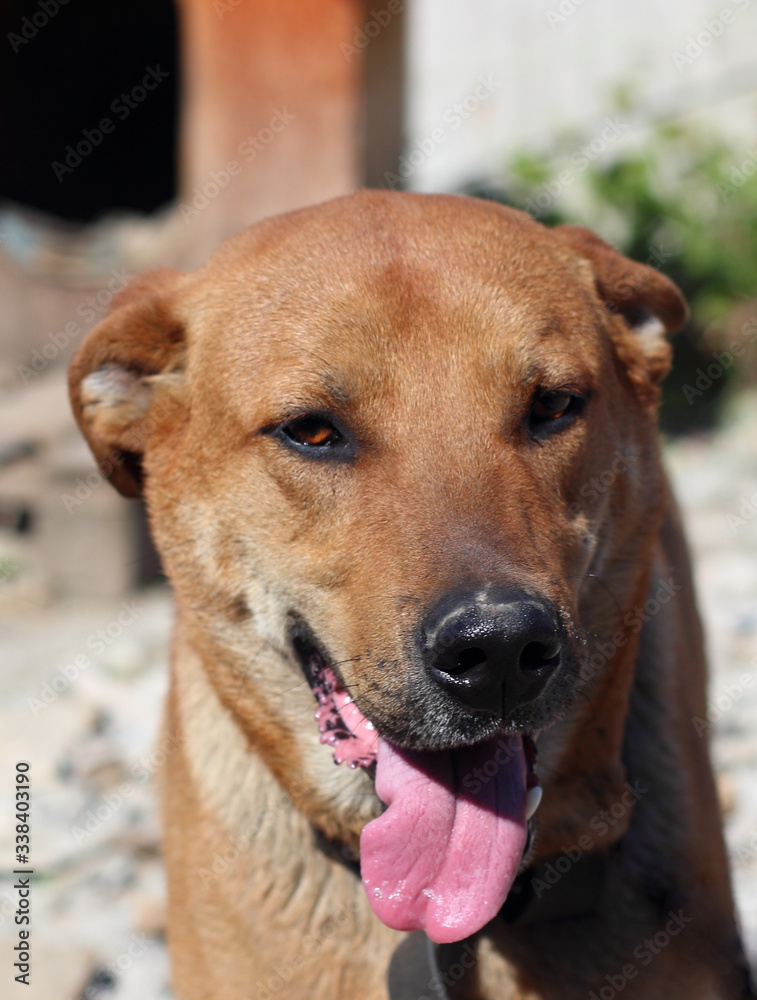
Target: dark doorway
{"x": 88, "y": 105}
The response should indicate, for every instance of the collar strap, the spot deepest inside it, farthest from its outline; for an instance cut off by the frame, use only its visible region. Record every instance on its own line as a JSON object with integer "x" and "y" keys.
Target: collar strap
{"x": 422, "y": 970}
{"x": 556, "y": 888}
{"x": 551, "y": 890}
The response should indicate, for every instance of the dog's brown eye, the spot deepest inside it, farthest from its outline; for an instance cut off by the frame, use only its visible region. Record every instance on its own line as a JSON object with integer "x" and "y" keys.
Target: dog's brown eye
{"x": 313, "y": 432}
{"x": 551, "y": 406}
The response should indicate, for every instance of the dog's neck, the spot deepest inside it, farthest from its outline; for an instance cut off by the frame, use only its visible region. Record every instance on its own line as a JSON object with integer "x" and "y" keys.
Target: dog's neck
{"x": 236, "y": 786}
{"x": 582, "y": 766}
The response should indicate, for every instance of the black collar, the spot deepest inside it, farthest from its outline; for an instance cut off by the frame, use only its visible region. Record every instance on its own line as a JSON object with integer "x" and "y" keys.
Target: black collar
{"x": 554, "y": 889}
{"x": 557, "y": 887}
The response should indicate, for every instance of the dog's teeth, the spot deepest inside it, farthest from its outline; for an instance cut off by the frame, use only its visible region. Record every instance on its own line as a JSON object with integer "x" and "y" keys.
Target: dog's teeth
{"x": 369, "y": 725}
{"x": 533, "y": 798}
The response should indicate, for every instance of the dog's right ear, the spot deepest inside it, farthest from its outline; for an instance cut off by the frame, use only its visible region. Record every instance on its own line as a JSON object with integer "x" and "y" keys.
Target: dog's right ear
{"x": 127, "y": 377}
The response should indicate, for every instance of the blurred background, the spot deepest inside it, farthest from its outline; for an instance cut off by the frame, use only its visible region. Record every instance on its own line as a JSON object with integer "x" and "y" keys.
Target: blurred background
{"x": 141, "y": 134}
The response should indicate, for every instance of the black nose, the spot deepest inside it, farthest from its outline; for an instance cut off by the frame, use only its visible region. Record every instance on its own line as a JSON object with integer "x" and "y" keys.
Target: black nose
{"x": 493, "y": 651}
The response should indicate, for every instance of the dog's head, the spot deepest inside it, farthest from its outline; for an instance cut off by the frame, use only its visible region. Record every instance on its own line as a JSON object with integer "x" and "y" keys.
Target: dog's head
{"x": 389, "y": 445}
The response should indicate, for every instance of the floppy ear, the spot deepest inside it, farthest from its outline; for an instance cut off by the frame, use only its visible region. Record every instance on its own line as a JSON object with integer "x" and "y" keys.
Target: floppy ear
{"x": 650, "y": 305}
{"x": 127, "y": 376}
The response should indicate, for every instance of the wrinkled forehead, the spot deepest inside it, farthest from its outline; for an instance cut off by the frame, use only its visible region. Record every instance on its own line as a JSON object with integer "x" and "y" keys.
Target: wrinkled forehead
{"x": 341, "y": 306}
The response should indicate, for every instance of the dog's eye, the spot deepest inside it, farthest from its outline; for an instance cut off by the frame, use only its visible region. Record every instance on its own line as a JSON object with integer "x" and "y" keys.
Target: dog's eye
{"x": 551, "y": 405}
{"x": 312, "y": 432}
{"x": 549, "y": 408}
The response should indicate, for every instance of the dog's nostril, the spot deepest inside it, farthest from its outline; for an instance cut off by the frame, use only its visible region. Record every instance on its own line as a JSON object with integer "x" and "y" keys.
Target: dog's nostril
{"x": 469, "y": 658}
{"x": 492, "y": 650}
{"x": 536, "y": 655}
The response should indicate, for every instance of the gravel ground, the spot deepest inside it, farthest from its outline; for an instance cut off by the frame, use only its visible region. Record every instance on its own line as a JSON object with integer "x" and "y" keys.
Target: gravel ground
{"x": 88, "y": 727}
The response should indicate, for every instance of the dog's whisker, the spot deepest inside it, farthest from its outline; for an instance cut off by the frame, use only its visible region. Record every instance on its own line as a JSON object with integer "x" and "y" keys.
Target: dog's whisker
{"x": 596, "y": 577}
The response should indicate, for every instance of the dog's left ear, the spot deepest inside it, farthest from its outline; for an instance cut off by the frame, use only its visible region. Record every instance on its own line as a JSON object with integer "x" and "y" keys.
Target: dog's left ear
{"x": 649, "y": 304}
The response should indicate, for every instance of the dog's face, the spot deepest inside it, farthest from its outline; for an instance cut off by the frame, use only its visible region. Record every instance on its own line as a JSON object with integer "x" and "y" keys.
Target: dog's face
{"x": 367, "y": 434}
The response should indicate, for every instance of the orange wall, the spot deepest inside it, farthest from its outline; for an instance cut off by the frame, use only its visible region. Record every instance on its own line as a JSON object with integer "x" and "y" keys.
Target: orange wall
{"x": 271, "y": 90}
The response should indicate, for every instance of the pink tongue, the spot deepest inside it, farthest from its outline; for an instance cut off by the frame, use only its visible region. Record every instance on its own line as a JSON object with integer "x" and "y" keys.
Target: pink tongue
{"x": 443, "y": 855}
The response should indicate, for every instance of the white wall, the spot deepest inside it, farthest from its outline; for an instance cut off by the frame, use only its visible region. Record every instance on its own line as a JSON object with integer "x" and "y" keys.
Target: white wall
{"x": 558, "y": 71}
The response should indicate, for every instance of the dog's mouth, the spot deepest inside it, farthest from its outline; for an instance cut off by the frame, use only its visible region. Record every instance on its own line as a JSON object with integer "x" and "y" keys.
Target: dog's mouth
{"x": 443, "y": 855}
{"x": 341, "y": 723}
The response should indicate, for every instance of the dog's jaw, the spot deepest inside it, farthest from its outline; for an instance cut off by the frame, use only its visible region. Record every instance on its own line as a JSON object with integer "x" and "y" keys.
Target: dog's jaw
{"x": 463, "y": 810}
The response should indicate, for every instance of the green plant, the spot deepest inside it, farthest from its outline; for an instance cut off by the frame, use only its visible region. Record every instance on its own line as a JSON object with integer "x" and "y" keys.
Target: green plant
{"x": 684, "y": 201}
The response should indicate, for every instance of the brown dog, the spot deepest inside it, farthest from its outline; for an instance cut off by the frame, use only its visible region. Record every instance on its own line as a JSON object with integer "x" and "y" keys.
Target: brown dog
{"x": 402, "y": 449}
